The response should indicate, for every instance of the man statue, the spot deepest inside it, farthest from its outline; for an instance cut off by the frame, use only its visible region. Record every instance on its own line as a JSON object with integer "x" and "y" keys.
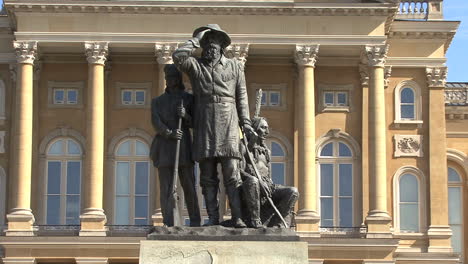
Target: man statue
{"x": 259, "y": 211}
{"x": 166, "y": 110}
{"x": 221, "y": 106}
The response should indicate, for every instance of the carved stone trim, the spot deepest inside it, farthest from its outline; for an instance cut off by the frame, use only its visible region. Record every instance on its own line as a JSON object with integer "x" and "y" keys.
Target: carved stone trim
{"x": 2, "y": 141}
{"x": 13, "y": 72}
{"x": 163, "y": 52}
{"x": 96, "y": 52}
{"x": 25, "y": 51}
{"x": 408, "y": 146}
{"x": 376, "y": 55}
{"x": 306, "y": 55}
{"x": 238, "y": 52}
{"x": 436, "y": 77}
{"x": 387, "y": 74}
{"x": 364, "y": 72}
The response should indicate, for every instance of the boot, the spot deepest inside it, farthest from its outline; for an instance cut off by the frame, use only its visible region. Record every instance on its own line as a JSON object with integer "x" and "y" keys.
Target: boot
{"x": 212, "y": 208}
{"x": 235, "y": 204}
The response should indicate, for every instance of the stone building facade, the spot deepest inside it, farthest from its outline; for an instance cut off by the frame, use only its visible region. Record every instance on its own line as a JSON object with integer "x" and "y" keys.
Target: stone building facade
{"x": 362, "y": 119}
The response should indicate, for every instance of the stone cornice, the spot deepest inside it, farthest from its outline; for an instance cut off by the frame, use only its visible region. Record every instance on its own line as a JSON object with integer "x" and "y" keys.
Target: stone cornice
{"x": 25, "y": 51}
{"x": 415, "y": 62}
{"x": 163, "y": 52}
{"x": 275, "y": 8}
{"x": 375, "y": 55}
{"x": 238, "y": 52}
{"x": 306, "y": 55}
{"x": 436, "y": 77}
{"x": 96, "y": 52}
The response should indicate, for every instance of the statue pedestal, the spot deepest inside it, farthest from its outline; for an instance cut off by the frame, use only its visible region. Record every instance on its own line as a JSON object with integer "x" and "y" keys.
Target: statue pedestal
{"x": 222, "y": 245}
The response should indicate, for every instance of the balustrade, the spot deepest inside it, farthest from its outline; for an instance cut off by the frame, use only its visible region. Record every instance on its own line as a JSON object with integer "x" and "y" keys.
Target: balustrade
{"x": 456, "y": 94}
{"x": 420, "y": 10}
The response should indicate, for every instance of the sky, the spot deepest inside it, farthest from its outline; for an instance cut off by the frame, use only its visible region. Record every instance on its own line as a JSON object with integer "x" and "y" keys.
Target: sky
{"x": 457, "y": 55}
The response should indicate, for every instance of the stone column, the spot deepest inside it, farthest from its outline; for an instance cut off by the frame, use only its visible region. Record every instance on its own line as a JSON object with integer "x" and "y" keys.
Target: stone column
{"x": 93, "y": 219}
{"x": 439, "y": 232}
{"x": 378, "y": 219}
{"x": 20, "y": 217}
{"x": 364, "y": 72}
{"x": 308, "y": 217}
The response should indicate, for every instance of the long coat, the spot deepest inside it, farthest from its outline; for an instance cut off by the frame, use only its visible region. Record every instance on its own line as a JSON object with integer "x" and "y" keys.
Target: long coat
{"x": 221, "y": 103}
{"x": 164, "y": 118}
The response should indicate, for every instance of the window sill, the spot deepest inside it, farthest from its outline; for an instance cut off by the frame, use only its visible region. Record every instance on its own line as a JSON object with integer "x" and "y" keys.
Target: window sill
{"x": 344, "y": 109}
{"x": 398, "y": 123}
{"x": 409, "y": 235}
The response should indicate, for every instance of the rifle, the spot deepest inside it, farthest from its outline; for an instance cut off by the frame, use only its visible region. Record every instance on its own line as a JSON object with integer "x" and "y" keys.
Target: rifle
{"x": 260, "y": 180}
{"x": 173, "y": 199}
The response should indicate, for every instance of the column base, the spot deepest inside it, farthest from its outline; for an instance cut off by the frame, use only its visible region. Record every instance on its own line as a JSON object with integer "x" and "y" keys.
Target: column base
{"x": 20, "y": 223}
{"x": 157, "y": 218}
{"x": 19, "y": 260}
{"x": 93, "y": 222}
{"x": 307, "y": 222}
{"x": 439, "y": 239}
{"x": 378, "y": 224}
{"x": 91, "y": 260}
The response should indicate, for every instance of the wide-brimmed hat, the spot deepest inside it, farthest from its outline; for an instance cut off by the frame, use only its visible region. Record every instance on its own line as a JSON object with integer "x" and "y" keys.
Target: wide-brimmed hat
{"x": 214, "y": 28}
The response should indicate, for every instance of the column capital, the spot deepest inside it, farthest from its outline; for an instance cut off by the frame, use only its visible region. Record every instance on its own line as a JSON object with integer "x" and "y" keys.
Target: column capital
{"x": 25, "y": 51}
{"x": 375, "y": 55}
{"x": 364, "y": 72}
{"x": 96, "y": 52}
{"x": 306, "y": 55}
{"x": 163, "y": 52}
{"x": 238, "y": 52}
{"x": 436, "y": 77}
{"x": 387, "y": 74}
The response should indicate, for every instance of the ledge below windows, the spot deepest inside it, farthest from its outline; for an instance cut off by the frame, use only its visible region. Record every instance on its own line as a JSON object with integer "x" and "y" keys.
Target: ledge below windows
{"x": 410, "y": 123}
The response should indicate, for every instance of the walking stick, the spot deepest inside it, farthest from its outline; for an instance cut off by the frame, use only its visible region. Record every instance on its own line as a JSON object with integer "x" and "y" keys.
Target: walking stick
{"x": 260, "y": 180}
{"x": 173, "y": 199}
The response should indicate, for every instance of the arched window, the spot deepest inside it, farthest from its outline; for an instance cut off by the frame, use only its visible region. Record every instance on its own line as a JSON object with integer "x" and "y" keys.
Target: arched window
{"x": 409, "y": 193}
{"x": 336, "y": 170}
{"x": 408, "y": 103}
{"x": 132, "y": 169}
{"x": 278, "y": 162}
{"x": 455, "y": 206}
{"x": 63, "y": 188}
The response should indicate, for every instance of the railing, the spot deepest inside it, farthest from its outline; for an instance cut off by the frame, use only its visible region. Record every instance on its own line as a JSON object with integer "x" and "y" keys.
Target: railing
{"x": 456, "y": 94}
{"x": 57, "y": 230}
{"x": 128, "y": 230}
{"x": 349, "y": 232}
{"x": 420, "y": 10}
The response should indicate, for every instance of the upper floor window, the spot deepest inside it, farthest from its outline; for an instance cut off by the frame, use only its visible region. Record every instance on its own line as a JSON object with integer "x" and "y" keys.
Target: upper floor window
{"x": 335, "y": 98}
{"x": 132, "y": 181}
{"x": 63, "y": 188}
{"x": 455, "y": 208}
{"x": 65, "y": 94}
{"x": 336, "y": 185}
{"x": 273, "y": 96}
{"x": 408, "y": 103}
{"x": 133, "y": 95}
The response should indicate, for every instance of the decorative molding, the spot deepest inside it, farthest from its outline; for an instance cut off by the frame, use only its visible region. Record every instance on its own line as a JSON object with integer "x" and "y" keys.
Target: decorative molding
{"x": 408, "y": 146}
{"x": 62, "y": 132}
{"x": 37, "y": 70}
{"x": 163, "y": 52}
{"x": 337, "y": 133}
{"x": 364, "y": 72}
{"x": 376, "y": 55}
{"x": 436, "y": 77}
{"x": 13, "y": 72}
{"x": 96, "y": 52}
{"x": 415, "y": 62}
{"x": 238, "y": 52}
{"x": 26, "y": 51}
{"x": 2, "y": 142}
{"x": 130, "y": 132}
{"x": 387, "y": 74}
{"x": 306, "y": 55}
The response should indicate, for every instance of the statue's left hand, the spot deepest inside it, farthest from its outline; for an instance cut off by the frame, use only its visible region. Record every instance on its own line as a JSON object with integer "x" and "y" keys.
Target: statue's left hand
{"x": 181, "y": 112}
{"x": 250, "y": 132}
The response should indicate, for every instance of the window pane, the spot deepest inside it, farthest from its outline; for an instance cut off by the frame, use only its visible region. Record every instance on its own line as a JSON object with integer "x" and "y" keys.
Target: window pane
{"x": 187, "y": 221}
{"x": 328, "y": 98}
{"x": 407, "y": 95}
{"x": 141, "y": 149}
{"x": 342, "y": 99}
{"x": 122, "y": 211}
{"x": 326, "y": 179}
{"x": 327, "y": 150}
{"x": 123, "y": 181}
{"x": 73, "y": 177}
{"x": 140, "y": 97}
{"x": 264, "y": 97}
{"x": 454, "y": 200}
{"x": 141, "y": 221}
{"x": 72, "y": 96}
{"x": 73, "y": 210}
{"x": 56, "y": 148}
{"x": 124, "y": 149}
{"x": 59, "y": 96}
{"x": 141, "y": 177}
{"x": 274, "y": 98}
{"x": 326, "y": 211}
{"x": 409, "y": 217}
{"x": 346, "y": 179}
{"x": 344, "y": 150}
{"x": 276, "y": 150}
{"x": 346, "y": 212}
{"x": 141, "y": 207}
{"x": 453, "y": 175}
{"x": 277, "y": 172}
{"x": 54, "y": 169}
{"x": 53, "y": 210}
{"x": 73, "y": 148}
{"x": 126, "y": 97}
{"x": 457, "y": 237}
{"x": 407, "y": 111}
{"x": 408, "y": 188}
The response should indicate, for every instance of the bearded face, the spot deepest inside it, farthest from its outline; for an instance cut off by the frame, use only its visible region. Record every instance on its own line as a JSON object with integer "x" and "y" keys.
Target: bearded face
{"x": 211, "y": 45}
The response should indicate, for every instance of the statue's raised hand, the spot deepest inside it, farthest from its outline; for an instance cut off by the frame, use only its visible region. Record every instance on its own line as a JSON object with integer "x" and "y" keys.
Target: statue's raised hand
{"x": 176, "y": 134}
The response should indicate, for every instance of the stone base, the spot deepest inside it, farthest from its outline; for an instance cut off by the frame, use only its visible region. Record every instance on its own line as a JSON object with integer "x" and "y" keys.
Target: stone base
{"x": 223, "y": 252}
{"x": 20, "y": 223}
{"x": 93, "y": 223}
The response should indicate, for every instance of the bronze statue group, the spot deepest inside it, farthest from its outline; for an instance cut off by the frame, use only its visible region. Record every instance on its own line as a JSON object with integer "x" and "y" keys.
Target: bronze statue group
{"x": 222, "y": 133}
